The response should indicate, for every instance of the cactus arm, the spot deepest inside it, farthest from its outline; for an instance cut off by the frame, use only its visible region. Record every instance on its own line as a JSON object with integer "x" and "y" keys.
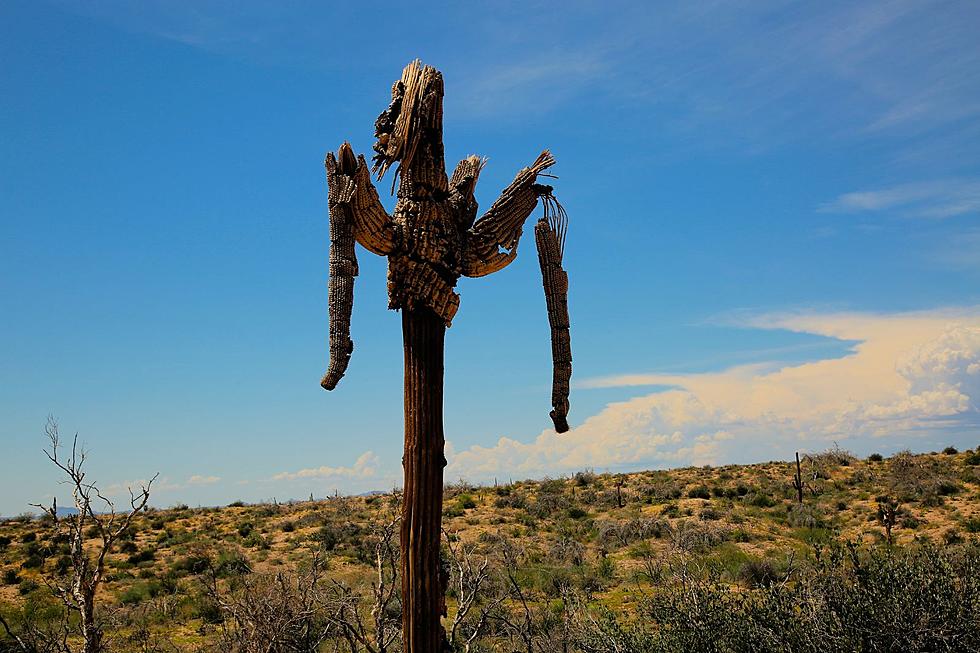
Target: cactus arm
{"x": 492, "y": 241}
{"x": 373, "y": 227}
{"x": 343, "y": 262}
{"x": 356, "y": 215}
{"x": 555, "y": 280}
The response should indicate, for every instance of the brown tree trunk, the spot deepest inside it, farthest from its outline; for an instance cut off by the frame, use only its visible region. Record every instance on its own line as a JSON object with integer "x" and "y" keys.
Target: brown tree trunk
{"x": 422, "y": 587}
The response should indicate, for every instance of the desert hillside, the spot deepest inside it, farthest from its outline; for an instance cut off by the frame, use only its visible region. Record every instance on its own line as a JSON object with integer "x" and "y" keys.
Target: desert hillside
{"x": 597, "y": 543}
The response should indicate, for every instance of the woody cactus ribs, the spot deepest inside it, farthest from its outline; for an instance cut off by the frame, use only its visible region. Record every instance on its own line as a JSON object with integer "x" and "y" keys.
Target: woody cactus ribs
{"x": 432, "y": 239}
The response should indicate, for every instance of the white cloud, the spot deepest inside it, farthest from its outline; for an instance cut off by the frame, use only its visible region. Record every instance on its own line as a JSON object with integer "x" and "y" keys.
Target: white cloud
{"x": 908, "y": 374}
{"x": 364, "y": 467}
{"x": 936, "y": 199}
{"x": 162, "y": 484}
{"x": 198, "y": 479}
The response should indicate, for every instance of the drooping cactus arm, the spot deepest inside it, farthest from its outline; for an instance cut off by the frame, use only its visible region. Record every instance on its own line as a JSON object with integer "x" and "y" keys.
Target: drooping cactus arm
{"x": 355, "y": 214}
{"x": 343, "y": 262}
{"x": 492, "y": 242}
{"x": 548, "y": 235}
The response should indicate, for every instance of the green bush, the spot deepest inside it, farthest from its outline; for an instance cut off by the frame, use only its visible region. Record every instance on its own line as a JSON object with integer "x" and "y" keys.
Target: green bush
{"x": 576, "y": 513}
{"x": 132, "y": 595}
{"x": 875, "y": 458}
{"x": 760, "y": 500}
{"x": 26, "y": 587}
{"x": 847, "y": 600}
{"x": 327, "y": 537}
{"x": 950, "y": 451}
{"x": 699, "y": 492}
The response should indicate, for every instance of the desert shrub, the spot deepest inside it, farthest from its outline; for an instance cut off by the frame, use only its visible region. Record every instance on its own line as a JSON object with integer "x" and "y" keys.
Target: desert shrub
{"x": 759, "y": 573}
{"x": 952, "y": 536}
{"x": 133, "y": 595}
{"x": 567, "y": 551}
{"x": 146, "y": 555}
{"x": 62, "y": 565}
{"x": 231, "y": 563}
{"x": 235, "y": 504}
{"x": 974, "y": 458}
{"x": 709, "y": 514}
{"x": 10, "y": 577}
{"x": 803, "y": 516}
{"x": 549, "y": 499}
{"x": 255, "y": 541}
{"x": 584, "y": 478}
{"x": 972, "y": 525}
{"x": 29, "y": 536}
{"x": 950, "y": 451}
{"x": 875, "y": 458}
{"x": 624, "y": 533}
{"x": 760, "y": 500}
{"x": 912, "y": 478}
{"x": 692, "y": 536}
{"x": 510, "y": 500}
{"x": 847, "y": 600}
{"x": 192, "y": 564}
{"x": 4, "y": 543}
{"x": 327, "y": 536}
{"x": 576, "y": 513}
{"x": 699, "y": 492}
{"x": 26, "y": 587}
{"x": 287, "y": 527}
{"x": 33, "y": 561}
{"x": 466, "y": 502}
{"x": 245, "y": 529}
{"x": 606, "y": 567}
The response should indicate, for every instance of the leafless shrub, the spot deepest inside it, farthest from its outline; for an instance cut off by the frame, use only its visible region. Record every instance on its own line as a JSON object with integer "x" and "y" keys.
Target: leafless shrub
{"x": 628, "y": 531}
{"x": 92, "y": 534}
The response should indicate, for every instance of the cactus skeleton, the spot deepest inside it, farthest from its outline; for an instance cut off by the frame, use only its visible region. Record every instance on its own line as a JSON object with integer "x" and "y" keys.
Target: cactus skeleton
{"x": 432, "y": 239}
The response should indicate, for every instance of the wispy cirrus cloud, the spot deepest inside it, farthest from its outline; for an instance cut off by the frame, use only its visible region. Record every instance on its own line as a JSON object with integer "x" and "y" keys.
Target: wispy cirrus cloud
{"x": 937, "y": 199}
{"x": 908, "y": 375}
{"x": 364, "y": 467}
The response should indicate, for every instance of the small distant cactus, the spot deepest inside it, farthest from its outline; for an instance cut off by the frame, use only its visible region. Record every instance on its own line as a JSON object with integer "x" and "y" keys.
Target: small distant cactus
{"x": 798, "y": 480}
{"x": 887, "y": 515}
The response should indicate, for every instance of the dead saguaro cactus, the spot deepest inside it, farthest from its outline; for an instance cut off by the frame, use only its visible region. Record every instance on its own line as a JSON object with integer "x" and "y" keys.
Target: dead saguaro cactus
{"x": 431, "y": 240}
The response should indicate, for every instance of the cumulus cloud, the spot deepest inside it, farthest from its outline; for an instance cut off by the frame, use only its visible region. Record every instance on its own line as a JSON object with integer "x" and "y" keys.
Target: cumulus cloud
{"x": 364, "y": 467}
{"x": 907, "y": 374}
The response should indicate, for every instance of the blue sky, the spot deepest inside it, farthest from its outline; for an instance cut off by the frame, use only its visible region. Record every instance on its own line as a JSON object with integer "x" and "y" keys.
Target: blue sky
{"x": 774, "y": 239}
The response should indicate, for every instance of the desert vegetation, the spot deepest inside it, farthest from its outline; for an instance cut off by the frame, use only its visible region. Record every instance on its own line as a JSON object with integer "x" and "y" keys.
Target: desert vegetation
{"x": 881, "y": 554}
